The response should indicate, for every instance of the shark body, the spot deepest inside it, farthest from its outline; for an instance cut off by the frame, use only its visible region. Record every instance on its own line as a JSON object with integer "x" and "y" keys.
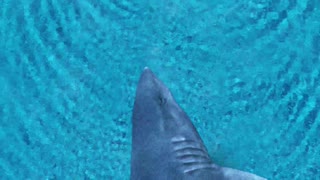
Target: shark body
{"x": 165, "y": 143}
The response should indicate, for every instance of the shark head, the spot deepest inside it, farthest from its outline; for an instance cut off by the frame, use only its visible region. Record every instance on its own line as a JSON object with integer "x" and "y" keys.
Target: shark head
{"x": 165, "y": 143}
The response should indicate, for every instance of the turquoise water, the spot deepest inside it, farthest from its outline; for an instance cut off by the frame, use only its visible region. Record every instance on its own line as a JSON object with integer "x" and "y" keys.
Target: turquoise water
{"x": 246, "y": 72}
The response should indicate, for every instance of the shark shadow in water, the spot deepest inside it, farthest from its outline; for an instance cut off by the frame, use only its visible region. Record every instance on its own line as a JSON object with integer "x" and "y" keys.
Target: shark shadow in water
{"x": 165, "y": 143}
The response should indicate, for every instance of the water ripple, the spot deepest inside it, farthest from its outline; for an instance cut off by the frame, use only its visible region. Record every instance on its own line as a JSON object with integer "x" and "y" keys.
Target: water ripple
{"x": 69, "y": 70}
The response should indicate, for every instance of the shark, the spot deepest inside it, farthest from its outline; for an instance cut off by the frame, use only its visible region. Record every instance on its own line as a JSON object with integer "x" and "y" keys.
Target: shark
{"x": 165, "y": 143}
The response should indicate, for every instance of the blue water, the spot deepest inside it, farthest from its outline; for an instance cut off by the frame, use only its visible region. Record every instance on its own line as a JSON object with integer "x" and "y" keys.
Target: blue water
{"x": 246, "y": 72}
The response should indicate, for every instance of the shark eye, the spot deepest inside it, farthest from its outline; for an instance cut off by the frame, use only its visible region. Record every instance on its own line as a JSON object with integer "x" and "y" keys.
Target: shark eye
{"x": 162, "y": 100}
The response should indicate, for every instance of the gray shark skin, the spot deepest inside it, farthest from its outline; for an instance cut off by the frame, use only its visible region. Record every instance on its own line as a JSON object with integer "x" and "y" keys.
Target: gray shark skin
{"x": 165, "y": 143}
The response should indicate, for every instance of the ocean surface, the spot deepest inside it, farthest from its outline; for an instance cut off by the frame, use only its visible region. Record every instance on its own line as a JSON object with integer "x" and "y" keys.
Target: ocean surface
{"x": 246, "y": 72}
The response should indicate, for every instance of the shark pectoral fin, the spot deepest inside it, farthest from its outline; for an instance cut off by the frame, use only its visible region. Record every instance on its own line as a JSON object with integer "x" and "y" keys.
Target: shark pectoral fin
{"x": 234, "y": 174}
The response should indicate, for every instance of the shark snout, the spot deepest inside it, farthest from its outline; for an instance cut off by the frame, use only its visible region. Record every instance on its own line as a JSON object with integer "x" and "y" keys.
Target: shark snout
{"x": 148, "y": 81}
{"x": 147, "y": 75}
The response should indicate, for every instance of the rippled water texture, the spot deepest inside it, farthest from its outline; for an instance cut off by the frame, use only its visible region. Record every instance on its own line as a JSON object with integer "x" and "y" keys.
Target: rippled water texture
{"x": 247, "y": 73}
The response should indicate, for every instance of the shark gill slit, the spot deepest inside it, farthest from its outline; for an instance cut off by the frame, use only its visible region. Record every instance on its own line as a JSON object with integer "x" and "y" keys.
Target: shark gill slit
{"x": 191, "y": 155}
